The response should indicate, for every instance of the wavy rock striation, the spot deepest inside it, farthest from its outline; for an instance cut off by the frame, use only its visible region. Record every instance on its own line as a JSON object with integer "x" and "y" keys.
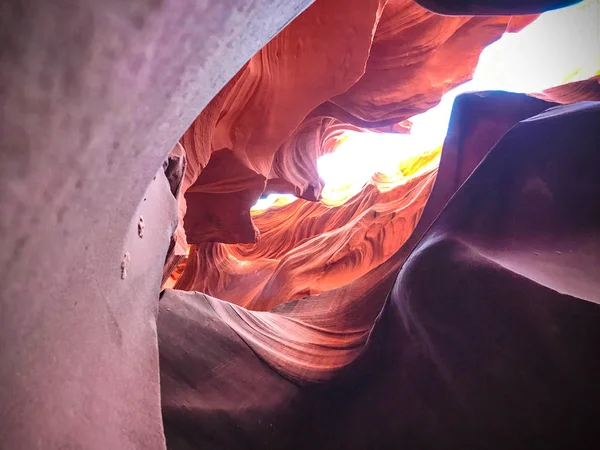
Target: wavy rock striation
{"x": 363, "y": 64}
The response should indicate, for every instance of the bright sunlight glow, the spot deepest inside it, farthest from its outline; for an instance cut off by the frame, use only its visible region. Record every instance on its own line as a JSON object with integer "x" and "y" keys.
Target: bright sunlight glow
{"x": 559, "y": 47}
{"x": 273, "y": 200}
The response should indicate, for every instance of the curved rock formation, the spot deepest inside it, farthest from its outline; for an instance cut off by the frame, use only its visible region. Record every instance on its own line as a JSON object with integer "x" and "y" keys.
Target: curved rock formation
{"x": 277, "y": 88}
{"x": 307, "y": 248}
{"x": 295, "y": 161}
{"x": 363, "y": 67}
{"x": 416, "y": 57}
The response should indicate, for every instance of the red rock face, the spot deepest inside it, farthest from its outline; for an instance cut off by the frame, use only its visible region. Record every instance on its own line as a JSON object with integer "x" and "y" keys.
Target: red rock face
{"x": 369, "y": 65}
{"x": 260, "y": 108}
{"x": 416, "y": 56}
{"x": 307, "y": 248}
{"x": 295, "y": 161}
{"x": 337, "y": 67}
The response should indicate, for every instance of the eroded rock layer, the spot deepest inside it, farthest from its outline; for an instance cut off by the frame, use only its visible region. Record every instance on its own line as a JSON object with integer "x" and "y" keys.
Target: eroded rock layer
{"x": 307, "y": 247}
{"x": 368, "y": 64}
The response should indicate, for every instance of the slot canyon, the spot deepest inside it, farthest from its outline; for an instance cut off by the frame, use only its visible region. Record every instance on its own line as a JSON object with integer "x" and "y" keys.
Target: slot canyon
{"x": 300, "y": 224}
